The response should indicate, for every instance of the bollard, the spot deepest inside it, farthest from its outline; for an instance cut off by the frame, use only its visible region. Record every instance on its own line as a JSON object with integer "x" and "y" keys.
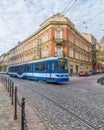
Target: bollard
{"x": 12, "y": 92}
{"x": 8, "y": 84}
{"x": 22, "y": 113}
{"x": 10, "y": 88}
{"x": 5, "y": 81}
{"x": 15, "y": 106}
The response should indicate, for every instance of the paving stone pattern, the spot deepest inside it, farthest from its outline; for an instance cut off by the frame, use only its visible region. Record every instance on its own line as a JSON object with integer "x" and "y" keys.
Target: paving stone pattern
{"x": 77, "y": 105}
{"x": 7, "y": 121}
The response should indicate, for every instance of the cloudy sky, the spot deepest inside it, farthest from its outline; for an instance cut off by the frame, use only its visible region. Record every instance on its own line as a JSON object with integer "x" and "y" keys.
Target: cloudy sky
{"x": 21, "y": 18}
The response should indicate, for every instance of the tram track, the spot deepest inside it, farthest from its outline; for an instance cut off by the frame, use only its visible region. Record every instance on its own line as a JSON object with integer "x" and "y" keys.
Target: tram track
{"x": 64, "y": 109}
{"x": 87, "y": 122}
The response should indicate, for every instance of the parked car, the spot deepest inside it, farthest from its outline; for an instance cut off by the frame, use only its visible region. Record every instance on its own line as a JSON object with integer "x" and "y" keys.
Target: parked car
{"x": 83, "y": 73}
{"x": 91, "y": 72}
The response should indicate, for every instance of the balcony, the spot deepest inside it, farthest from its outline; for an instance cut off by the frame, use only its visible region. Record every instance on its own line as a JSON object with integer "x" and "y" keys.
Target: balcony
{"x": 59, "y": 41}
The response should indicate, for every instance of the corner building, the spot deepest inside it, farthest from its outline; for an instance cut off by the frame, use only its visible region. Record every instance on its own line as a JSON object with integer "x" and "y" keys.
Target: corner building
{"x": 57, "y": 36}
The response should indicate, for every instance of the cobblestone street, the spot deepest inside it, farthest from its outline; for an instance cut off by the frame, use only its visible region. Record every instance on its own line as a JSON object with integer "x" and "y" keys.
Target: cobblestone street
{"x": 72, "y": 106}
{"x": 77, "y": 105}
{"x": 7, "y": 121}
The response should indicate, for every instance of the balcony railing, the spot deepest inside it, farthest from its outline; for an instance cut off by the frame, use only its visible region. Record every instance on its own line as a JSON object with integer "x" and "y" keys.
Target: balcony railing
{"x": 59, "y": 41}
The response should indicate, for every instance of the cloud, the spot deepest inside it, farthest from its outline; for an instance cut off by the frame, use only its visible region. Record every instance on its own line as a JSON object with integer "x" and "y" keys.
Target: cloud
{"x": 21, "y": 18}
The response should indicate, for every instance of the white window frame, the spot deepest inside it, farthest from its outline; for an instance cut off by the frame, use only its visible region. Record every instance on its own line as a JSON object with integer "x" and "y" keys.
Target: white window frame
{"x": 58, "y": 34}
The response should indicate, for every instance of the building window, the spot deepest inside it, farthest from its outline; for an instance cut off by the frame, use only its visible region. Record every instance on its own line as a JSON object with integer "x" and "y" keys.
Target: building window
{"x": 45, "y": 51}
{"x": 37, "y": 47}
{"x": 71, "y": 52}
{"x": 80, "y": 57}
{"x": 59, "y": 51}
{"x": 77, "y": 55}
{"x": 58, "y": 34}
{"x": 45, "y": 37}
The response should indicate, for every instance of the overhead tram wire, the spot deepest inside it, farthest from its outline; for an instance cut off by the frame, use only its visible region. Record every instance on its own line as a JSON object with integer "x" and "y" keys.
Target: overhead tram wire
{"x": 84, "y": 22}
{"x": 86, "y": 27}
{"x": 94, "y": 16}
{"x": 30, "y": 2}
{"x": 68, "y": 5}
{"x": 67, "y": 8}
{"x": 96, "y": 22}
{"x": 64, "y": 9}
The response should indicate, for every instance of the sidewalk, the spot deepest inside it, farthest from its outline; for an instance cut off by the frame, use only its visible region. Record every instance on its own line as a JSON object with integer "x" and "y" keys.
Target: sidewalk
{"x": 7, "y": 122}
{"x": 73, "y": 78}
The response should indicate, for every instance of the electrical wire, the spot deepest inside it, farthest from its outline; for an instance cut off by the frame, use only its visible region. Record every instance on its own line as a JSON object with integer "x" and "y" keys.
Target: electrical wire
{"x": 66, "y": 9}
{"x": 30, "y": 2}
{"x": 69, "y": 5}
{"x": 84, "y": 22}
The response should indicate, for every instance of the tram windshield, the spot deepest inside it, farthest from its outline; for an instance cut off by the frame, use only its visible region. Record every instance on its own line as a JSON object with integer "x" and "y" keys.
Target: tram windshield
{"x": 62, "y": 65}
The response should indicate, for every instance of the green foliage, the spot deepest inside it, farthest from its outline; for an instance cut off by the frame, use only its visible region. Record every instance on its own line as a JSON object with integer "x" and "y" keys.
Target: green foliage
{"x": 59, "y": 41}
{"x": 63, "y": 53}
{"x": 94, "y": 51}
{"x": 4, "y": 67}
{"x": 0, "y": 68}
{"x": 34, "y": 58}
{"x": 102, "y": 56}
{"x": 102, "y": 40}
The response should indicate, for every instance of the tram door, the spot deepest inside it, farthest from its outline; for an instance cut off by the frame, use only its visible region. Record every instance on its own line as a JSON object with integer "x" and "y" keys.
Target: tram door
{"x": 49, "y": 70}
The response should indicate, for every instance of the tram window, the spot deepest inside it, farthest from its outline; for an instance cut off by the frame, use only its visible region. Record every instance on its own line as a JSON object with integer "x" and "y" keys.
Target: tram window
{"x": 16, "y": 69}
{"x": 42, "y": 66}
{"x": 62, "y": 65}
{"x": 36, "y": 66}
{"x": 12, "y": 69}
{"x": 48, "y": 67}
{"x": 52, "y": 66}
{"x": 28, "y": 67}
{"x": 33, "y": 67}
{"x": 21, "y": 68}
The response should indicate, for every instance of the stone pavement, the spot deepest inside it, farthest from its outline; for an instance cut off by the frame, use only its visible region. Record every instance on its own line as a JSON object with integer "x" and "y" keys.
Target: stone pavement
{"x": 7, "y": 122}
{"x": 73, "y": 78}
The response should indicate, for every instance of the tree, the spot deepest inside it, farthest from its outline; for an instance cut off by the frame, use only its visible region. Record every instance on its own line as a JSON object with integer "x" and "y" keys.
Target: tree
{"x": 101, "y": 56}
{"x": 102, "y": 40}
{"x": 0, "y": 68}
{"x": 94, "y": 57}
{"x": 102, "y": 52}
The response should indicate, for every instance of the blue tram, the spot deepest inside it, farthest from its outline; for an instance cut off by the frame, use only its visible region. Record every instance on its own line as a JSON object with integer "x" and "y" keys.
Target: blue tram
{"x": 51, "y": 69}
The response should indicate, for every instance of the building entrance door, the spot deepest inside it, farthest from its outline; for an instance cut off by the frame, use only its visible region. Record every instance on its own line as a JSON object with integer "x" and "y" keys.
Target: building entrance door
{"x": 76, "y": 69}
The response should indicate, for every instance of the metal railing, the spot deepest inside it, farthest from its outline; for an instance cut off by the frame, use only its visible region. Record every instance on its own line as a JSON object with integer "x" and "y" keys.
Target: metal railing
{"x": 12, "y": 90}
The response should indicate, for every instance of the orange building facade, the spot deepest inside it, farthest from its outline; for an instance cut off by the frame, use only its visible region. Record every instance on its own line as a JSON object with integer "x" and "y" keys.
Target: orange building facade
{"x": 56, "y": 36}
